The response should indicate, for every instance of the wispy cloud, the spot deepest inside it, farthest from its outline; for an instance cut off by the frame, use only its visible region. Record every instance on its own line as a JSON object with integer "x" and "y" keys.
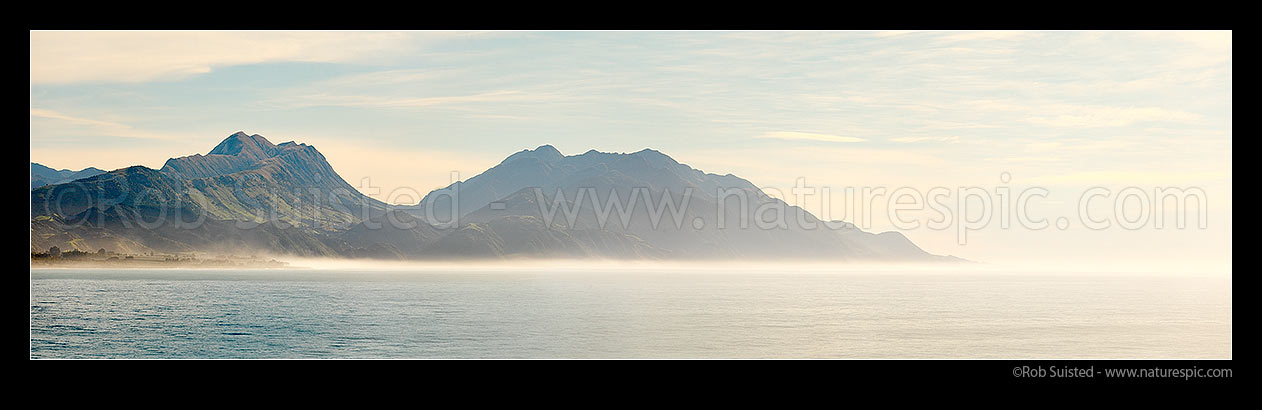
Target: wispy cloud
{"x": 892, "y": 33}
{"x": 384, "y": 78}
{"x": 61, "y": 57}
{"x": 1087, "y": 116}
{"x": 990, "y": 35}
{"x": 1138, "y": 178}
{"x": 374, "y": 101}
{"x": 807, "y": 136}
{"x": 99, "y": 127}
{"x": 908, "y": 140}
{"x": 50, "y": 114}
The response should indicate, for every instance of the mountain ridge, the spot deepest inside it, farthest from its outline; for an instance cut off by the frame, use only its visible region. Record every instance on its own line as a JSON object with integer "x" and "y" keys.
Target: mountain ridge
{"x": 42, "y": 175}
{"x": 249, "y": 195}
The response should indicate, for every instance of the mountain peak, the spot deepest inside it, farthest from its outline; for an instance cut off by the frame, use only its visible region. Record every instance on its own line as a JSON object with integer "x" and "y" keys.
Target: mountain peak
{"x": 241, "y": 142}
{"x": 652, "y": 153}
{"x": 37, "y": 168}
{"x": 236, "y": 153}
{"x": 655, "y": 158}
{"x": 545, "y": 153}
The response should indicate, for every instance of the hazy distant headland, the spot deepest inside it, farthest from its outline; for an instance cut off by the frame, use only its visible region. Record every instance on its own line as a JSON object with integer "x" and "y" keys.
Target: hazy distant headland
{"x": 248, "y": 196}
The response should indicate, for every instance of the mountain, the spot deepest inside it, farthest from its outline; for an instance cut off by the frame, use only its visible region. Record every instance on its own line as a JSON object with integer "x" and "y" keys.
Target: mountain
{"x": 526, "y": 198}
{"x": 244, "y": 183}
{"x": 247, "y": 195}
{"x": 42, "y": 175}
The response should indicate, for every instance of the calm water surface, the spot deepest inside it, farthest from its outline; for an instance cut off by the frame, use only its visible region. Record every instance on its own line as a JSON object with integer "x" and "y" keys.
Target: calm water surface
{"x": 613, "y": 314}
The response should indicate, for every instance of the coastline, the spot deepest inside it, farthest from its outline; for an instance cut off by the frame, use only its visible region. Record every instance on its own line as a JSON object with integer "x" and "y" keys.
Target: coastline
{"x": 132, "y": 262}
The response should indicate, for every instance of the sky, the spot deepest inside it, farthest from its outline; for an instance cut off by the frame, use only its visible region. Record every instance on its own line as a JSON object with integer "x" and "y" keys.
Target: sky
{"x": 993, "y": 110}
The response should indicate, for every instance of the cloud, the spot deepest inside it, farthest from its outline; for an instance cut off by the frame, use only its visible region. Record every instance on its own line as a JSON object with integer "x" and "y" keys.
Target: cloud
{"x": 807, "y": 136}
{"x": 1211, "y": 41}
{"x": 328, "y": 100}
{"x": 1090, "y": 116}
{"x": 836, "y": 166}
{"x": 62, "y": 57}
{"x": 990, "y": 35}
{"x": 1145, "y": 179}
{"x": 1025, "y": 159}
{"x": 892, "y": 33}
{"x": 99, "y": 127}
{"x": 908, "y": 140}
{"x": 50, "y": 114}
{"x": 386, "y": 78}
{"x": 1202, "y": 48}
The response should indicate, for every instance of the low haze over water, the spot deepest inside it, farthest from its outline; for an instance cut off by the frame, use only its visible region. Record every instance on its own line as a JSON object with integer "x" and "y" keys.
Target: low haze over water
{"x": 612, "y": 313}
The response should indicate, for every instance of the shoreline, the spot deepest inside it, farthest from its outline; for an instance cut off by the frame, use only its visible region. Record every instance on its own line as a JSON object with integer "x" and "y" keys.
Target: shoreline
{"x": 46, "y": 263}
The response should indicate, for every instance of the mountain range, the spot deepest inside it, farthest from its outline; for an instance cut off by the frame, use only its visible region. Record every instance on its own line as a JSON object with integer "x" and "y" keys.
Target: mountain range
{"x": 42, "y": 175}
{"x": 247, "y": 195}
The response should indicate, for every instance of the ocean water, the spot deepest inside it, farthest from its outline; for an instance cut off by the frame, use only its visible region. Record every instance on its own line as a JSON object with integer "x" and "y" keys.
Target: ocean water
{"x": 624, "y": 314}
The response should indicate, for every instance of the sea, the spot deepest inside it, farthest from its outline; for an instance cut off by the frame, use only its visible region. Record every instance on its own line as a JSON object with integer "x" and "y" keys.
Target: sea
{"x": 485, "y": 313}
